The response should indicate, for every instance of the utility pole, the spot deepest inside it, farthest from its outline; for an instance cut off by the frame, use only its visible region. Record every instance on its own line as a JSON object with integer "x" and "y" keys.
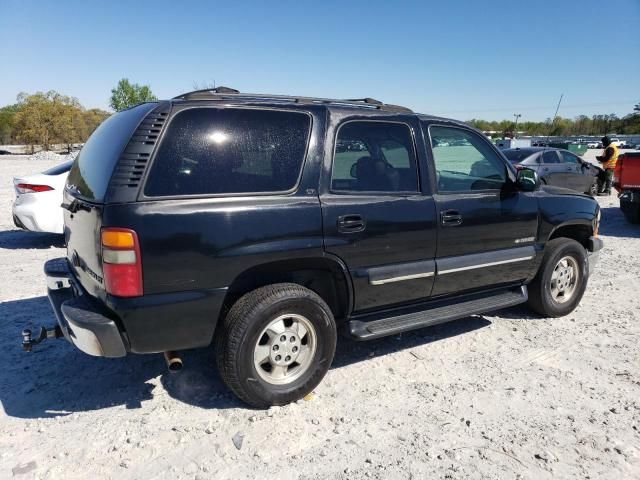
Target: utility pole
{"x": 515, "y": 125}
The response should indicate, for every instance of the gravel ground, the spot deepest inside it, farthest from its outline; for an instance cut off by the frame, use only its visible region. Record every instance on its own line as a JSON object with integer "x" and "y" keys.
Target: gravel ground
{"x": 492, "y": 396}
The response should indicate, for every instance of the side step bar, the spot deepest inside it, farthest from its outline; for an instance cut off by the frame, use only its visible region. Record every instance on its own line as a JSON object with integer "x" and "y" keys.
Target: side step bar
{"x": 363, "y": 329}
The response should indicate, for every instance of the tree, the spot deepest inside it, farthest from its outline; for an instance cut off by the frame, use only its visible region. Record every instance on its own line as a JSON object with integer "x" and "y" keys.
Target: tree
{"x": 126, "y": 95}
{"x": 38, "y": 118}
{"x": 7, "y": 124}
{"x": 92, "y": 119}
{"x": 52, "y": 118}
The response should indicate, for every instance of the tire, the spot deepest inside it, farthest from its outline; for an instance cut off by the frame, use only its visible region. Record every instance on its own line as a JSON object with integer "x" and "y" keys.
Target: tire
{"x": 631, "y": 211}
{"x": 247, "y": 333}
{"x": 549, "y": 301}
{"x": 594, "y": 188}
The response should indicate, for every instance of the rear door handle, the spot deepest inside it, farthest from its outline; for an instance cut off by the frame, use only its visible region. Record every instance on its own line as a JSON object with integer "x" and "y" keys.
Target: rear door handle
{"x": 352, "y": 223}
{"x": 450, "y": 218}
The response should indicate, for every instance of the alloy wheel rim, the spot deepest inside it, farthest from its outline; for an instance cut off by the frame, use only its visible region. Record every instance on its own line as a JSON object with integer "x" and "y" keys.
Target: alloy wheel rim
{"x": 564, "y": 279}
{"x": 285, "y": 349}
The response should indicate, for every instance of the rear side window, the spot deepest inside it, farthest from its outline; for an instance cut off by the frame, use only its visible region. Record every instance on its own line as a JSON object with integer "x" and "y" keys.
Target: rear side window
{"x": 92, "y": 168}
{"x": 208, "y": 151}
{"x": 517, "y": 156}
{"x": 374, "y": 157}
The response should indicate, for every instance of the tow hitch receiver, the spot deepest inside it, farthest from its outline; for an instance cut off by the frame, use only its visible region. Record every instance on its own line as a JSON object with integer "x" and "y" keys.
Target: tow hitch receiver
{"x": 28, "y": 341}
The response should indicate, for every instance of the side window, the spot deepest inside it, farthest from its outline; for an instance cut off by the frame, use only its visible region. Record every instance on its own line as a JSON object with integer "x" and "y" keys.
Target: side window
{"x": 374, "y": 157}
{"x": 208, "y": 151}
{"x": 569, "y": 157}
{"x": 550, "y": 157}
{"x": 464, "y": 161}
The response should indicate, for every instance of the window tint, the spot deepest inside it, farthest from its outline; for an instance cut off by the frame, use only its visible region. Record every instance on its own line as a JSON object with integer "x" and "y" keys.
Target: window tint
{"x": 214, "y": 151}
{"x": 465, "y": 161}
{"x": 550, "y": 157}
{"x": 92, "y": 168}
{"x": 374, "y": 157}
{"x": 568, "y": 157}
{"x": 59, "y": 169}
{"x": 517, "y": 156}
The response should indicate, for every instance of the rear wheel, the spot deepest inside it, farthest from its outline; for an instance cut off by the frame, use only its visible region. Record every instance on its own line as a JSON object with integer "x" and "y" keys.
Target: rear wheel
{"x": 631, "y": 211}
{"x": 276, "y": 344}
{"x": 561, "y": 280}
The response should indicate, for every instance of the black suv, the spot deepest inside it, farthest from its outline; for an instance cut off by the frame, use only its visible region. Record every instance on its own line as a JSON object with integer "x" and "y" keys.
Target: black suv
{"x": 264, "y": 223}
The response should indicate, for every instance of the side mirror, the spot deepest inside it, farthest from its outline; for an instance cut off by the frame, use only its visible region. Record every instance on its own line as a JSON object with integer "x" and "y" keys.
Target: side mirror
{"x": 527, "y": 180}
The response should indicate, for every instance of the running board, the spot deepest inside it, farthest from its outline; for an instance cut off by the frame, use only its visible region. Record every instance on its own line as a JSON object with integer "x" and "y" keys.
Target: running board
{"x": 362, "y": 329}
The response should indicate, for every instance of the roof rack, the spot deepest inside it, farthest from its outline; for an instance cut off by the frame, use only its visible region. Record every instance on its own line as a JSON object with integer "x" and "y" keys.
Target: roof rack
{"x": 226, "y": 93}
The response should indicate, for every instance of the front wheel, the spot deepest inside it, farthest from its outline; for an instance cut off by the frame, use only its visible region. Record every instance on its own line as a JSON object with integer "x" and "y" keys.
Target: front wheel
{"x": 594, "y": 188}
{"x": 276, "y": 344}
{"x": 561, "y": 280}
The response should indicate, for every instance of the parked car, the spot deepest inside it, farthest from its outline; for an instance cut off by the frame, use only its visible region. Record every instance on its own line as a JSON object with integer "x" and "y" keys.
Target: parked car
{"x": 594, "y": 144}
{"x": 232, "y": 219}
{"x": 626, "y": 180}
{"x": 38, "y": 199}
{"x": 557, "y": 167}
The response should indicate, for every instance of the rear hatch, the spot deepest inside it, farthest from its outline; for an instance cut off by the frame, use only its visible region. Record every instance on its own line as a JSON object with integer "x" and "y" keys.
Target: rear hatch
{"x": 87, "y": 192}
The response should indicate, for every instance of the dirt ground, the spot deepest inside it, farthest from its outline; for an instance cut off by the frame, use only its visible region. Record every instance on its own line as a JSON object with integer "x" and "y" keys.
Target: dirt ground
{"x": 508, "y": 395}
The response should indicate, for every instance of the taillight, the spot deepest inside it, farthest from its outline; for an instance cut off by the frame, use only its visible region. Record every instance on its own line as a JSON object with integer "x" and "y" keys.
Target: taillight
{"x": 32, "y": 188}
{"x": 121, "y": 263}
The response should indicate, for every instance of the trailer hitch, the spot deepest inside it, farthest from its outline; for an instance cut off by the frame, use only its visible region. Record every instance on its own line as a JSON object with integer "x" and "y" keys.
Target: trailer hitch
{"x": 28, "y": 341}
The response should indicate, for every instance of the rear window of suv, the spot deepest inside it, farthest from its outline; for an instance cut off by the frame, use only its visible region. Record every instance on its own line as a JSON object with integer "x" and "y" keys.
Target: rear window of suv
{"x": 208, "y": 151}
{"x": 92, "y": 169}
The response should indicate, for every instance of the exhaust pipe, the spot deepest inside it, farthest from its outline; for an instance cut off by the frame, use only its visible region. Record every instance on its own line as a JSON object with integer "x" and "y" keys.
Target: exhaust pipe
{"x": 174, "y": 362}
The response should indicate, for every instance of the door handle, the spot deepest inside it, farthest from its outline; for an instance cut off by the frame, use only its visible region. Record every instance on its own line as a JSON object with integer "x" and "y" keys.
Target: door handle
{"x": 351, "y": 223}
{"x": 450, "y": 218}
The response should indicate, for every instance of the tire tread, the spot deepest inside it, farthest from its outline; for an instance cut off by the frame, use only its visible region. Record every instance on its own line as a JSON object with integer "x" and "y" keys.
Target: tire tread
{"x": 230, "y": 334}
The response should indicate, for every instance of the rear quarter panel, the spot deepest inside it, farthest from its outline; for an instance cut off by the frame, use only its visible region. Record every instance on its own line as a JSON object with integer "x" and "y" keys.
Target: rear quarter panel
{"x": 206, "y": 243}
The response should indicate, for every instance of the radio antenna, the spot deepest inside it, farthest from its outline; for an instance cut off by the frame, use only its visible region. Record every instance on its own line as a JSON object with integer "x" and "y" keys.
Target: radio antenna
{"x": 553, "y": 120}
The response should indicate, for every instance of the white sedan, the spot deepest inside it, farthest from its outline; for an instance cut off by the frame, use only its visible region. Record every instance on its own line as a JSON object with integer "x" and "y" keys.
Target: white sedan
{"x": 38, "y": 199}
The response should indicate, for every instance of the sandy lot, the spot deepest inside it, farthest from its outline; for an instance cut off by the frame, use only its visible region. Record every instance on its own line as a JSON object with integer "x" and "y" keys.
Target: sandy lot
{"x": 508, "y": 395}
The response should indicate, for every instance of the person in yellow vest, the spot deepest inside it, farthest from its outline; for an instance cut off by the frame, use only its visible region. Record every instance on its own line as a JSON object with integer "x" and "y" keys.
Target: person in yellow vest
{"x": 608, "y": 161}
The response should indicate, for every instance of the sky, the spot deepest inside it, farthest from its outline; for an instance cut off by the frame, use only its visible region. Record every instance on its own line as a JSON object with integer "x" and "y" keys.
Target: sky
{"x": 460, "y": 59}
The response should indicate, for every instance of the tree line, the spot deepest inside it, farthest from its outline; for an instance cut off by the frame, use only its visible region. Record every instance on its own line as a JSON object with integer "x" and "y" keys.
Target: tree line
{"x": 580, "y": 125}
{"x": 51, "y": 118}
{"x": 48, "y": 118}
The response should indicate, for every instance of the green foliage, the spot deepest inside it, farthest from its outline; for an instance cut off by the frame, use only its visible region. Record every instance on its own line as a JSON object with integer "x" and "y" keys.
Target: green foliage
{"x": 580, "y": 125}
{"x": 126, "y": 95}
{"x": 7, "y": 122}
{"x": 47, "y": 118}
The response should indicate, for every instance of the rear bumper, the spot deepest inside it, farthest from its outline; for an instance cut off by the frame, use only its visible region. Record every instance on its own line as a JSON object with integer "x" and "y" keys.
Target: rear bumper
{"x": 82, "y": 322}
{"x": 594, "y": 246}
{"x": 148, "y": 324}
{"x": 34, "y": 218}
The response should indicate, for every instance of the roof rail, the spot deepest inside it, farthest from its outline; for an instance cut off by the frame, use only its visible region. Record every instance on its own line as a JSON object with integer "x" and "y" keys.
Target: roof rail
{"x": 226, "y": 93}
{"x": 217, "y": 90}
